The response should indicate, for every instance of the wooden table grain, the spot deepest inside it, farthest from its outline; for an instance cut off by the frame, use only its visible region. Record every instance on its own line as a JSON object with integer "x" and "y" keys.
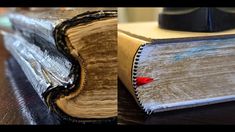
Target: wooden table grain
{"x": 130, "y": 113}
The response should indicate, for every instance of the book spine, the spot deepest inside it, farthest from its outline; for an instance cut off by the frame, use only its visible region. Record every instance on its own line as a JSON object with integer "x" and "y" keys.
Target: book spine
{"x": 134, "y": 77}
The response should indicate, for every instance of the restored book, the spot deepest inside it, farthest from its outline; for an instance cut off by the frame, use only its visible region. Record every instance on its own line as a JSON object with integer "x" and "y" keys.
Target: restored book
{"x": 70, "y": 58}
{"x": 167, "y": 70}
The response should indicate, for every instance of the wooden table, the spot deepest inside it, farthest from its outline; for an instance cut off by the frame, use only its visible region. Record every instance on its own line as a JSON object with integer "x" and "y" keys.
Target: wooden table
{"x": 130, "y": 113}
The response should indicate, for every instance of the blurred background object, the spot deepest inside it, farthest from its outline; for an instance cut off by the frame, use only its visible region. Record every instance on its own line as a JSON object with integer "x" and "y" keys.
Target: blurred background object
{"x": 4, "y": 21}
{"x": 138, "y": 14}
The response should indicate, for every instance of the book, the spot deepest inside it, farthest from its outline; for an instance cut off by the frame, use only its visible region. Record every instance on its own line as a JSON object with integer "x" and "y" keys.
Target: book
{"x": 168, "y": 70}
{"x": 70, "y": 58}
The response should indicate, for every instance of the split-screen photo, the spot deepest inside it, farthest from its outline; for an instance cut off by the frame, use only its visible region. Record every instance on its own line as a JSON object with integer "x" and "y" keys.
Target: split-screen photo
{"x": 118, "y": 66}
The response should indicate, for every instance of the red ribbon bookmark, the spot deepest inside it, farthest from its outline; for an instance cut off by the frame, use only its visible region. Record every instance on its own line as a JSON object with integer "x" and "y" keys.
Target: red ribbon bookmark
{"x": 143, "y": 80}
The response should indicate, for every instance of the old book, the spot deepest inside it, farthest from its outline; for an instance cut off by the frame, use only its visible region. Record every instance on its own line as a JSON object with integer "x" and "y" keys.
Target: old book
{"x": 167, "y": 70}
{"x": 70, "y": 58}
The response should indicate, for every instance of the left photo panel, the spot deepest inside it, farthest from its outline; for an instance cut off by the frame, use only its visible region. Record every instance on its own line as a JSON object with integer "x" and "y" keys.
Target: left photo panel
{"x": 58, "y": 66}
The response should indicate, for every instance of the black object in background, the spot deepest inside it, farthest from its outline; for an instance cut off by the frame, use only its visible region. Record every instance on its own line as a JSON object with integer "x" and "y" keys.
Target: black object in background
{"x": 198, "y": 19}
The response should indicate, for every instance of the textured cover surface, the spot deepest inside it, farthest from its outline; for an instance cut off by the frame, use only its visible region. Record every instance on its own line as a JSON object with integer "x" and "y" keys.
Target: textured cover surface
{"x": 33, "y": 109}
{"x": 186, "y": 71}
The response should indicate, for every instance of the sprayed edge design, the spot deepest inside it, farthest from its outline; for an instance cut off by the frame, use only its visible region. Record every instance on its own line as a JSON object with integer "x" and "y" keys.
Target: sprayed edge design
{"x": 135, "y": 71}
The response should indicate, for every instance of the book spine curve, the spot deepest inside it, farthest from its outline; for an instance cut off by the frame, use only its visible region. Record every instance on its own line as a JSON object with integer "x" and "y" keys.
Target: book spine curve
{"x": 134, "y": 73}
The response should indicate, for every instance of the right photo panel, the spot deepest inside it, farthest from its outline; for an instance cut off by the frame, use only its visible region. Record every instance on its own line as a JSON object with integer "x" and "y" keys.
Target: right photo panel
{"x": 176, "y": 65}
